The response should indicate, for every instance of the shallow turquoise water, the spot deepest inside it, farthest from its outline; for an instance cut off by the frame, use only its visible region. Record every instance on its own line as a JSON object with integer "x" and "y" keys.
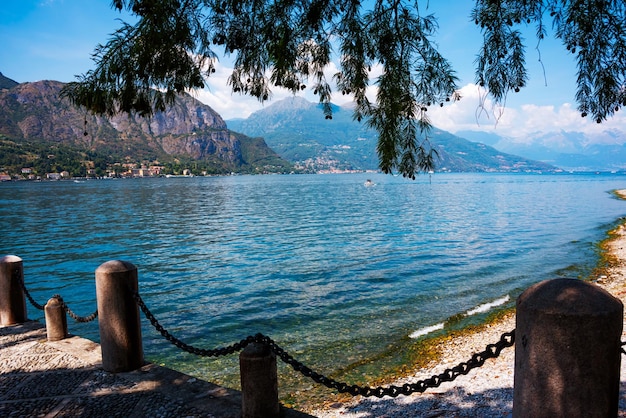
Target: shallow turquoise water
{"x": 334, "y": 271}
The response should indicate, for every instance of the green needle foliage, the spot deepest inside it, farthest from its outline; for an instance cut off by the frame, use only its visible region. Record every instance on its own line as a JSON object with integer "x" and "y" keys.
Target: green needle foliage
{"x": 174, "y": 45}
{"x": 593, "y": 30}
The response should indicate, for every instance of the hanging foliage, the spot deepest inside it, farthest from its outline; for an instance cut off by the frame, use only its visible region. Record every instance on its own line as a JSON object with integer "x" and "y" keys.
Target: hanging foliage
{"x": 174, "y": 45}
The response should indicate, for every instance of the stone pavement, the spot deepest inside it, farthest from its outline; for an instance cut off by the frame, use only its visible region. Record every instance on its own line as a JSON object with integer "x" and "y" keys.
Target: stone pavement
{"x": 65, "y": 379}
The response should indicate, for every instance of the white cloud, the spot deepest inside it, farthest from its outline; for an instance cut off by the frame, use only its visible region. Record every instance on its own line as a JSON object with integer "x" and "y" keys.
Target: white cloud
{"x": 218, "y": 94}
{"x": 516, "y": 122}
{"x": 475, "y": 111}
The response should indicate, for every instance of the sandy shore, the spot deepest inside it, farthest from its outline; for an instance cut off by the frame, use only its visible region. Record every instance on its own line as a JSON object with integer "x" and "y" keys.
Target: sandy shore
{"x": 488, "y": 391}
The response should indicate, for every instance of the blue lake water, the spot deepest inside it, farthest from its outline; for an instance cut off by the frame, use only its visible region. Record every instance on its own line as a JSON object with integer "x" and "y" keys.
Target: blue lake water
{"x": 337, "y": 273}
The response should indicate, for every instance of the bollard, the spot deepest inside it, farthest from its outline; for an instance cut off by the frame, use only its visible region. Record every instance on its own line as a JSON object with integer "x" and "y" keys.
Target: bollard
{"x": 259, "y": 382}
{"x": 56, "y": 320}
{"x": 12, "y": 299}
{"x": 118, "y": 317}
{"x": 567, "y": 351}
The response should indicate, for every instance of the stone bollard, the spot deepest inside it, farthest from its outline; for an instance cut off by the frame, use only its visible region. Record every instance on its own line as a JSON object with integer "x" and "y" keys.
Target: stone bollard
{"x": 118, "y": 317}
{"x": 12, "y": 299}
{"x": 56, "y": 320}
{"x": 567, "y": 351}
{"x": 259, "y": 382}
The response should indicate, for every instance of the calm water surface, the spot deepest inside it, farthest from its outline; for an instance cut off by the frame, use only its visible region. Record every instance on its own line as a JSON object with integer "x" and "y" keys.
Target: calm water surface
{"x": 337, "y": 273}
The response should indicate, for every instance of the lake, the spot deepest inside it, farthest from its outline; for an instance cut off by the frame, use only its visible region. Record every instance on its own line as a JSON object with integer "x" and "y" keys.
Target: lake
{"x": 344, "y": 277}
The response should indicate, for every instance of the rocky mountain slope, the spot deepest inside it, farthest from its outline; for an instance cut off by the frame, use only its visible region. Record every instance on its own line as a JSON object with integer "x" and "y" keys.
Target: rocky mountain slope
{"x": 298, "y": 131}
{"x": 34, "y": 113}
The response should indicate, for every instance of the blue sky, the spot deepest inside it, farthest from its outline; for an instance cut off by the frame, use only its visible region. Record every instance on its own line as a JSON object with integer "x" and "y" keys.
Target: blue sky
{"x": 54, "y": 39}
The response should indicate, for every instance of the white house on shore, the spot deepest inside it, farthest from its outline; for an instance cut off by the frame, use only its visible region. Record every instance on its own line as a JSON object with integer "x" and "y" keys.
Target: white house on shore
{"x": 58, "y": 176}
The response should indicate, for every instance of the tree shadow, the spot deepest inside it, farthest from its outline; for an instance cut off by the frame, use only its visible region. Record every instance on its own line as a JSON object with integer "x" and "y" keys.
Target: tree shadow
{"x": 87, "y": 392}
{"x": 452, "y": 403}
{"x": 13, "y": 335}
{"x": 455, "y": 402}
{"x": 65, "y": 379}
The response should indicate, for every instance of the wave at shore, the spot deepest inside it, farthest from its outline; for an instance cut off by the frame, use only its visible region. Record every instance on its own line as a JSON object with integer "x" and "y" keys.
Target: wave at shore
{"x": 485, "y": 307}
{"x": 488, "y": 306}
{"x": 423, "y": 331}
{"x": 487, "y": 392}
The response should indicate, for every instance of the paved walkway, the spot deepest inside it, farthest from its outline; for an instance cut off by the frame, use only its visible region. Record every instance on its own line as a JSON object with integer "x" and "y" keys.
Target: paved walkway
{"x": 65, "y": 379}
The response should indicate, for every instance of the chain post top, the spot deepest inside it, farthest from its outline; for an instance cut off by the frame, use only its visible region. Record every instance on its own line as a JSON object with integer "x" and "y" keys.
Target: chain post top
{"x": 10, "y": 259}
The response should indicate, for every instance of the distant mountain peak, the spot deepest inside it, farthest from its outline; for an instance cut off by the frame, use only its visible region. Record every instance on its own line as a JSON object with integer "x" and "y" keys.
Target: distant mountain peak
{"x": 293, "y": 106}
{"x": 299, "y": 132}
{"x": 569, "y": 150}
{"x": 293, "y": 103}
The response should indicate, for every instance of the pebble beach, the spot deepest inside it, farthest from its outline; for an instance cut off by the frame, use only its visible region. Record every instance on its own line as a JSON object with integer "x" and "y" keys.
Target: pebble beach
{"x": 487, "y": 391}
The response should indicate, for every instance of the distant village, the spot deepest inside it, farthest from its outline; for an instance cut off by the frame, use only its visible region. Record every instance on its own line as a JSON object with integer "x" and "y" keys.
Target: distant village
{"x": 124, "y": 171}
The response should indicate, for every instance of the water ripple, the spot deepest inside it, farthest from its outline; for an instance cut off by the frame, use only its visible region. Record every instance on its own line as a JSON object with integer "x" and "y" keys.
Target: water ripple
{"x": 336, "y": 270}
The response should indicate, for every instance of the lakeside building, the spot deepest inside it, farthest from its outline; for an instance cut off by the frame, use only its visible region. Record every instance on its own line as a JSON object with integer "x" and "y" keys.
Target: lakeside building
{"x": 58, "y": 176}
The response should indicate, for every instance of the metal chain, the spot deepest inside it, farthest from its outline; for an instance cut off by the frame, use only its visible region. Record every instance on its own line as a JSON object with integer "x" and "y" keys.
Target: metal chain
{"x": 67, "y": 309}
{"x": 223, "y": 351}
{"x": 71, "y": 313}
{"x": 492, "y": 351}
{"x": 30, "y": 298}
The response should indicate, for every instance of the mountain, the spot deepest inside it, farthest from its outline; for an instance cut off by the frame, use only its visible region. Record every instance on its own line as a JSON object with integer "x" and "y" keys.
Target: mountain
{"x": 6, "y": 83}
{"x": 575, "y": 151}
{"x": 33, "y": 116}
{"x": 460, "y": 155}
{"x": 298, "y": 131}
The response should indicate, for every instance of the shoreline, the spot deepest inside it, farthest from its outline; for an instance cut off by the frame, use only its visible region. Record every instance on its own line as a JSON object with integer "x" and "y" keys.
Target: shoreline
{"x": 487, "y": 391}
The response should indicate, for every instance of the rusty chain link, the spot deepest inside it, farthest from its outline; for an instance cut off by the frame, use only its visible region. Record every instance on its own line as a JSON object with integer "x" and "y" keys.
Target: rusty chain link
{"x": 66, "y": 308}
{"x": 492, "y": 351}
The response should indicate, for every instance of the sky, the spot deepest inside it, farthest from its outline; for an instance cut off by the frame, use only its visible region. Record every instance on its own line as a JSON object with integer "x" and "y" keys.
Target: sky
{"x": 54, "y": 40}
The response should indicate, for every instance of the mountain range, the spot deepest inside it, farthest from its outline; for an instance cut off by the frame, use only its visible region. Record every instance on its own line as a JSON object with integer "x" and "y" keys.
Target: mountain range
{"x": 36, "y": 125}
{"x": 39, "y": 129}
{"x": 299, "y": 132}
{"x": 569, "y": 150}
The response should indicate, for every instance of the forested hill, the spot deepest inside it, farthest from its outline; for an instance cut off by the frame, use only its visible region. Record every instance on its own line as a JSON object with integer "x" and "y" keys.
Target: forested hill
{"x": 37, "y": 126}
{"x": 41, "y": 131}
{"x": 298, "y": 131}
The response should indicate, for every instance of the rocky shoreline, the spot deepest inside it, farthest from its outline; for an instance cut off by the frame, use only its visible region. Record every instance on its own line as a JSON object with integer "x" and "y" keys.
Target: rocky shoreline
{"x": 488, "y": 391}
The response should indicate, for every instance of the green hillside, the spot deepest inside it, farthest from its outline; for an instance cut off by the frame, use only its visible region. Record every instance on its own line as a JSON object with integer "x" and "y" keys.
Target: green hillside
{"x": 297, "y": 130}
